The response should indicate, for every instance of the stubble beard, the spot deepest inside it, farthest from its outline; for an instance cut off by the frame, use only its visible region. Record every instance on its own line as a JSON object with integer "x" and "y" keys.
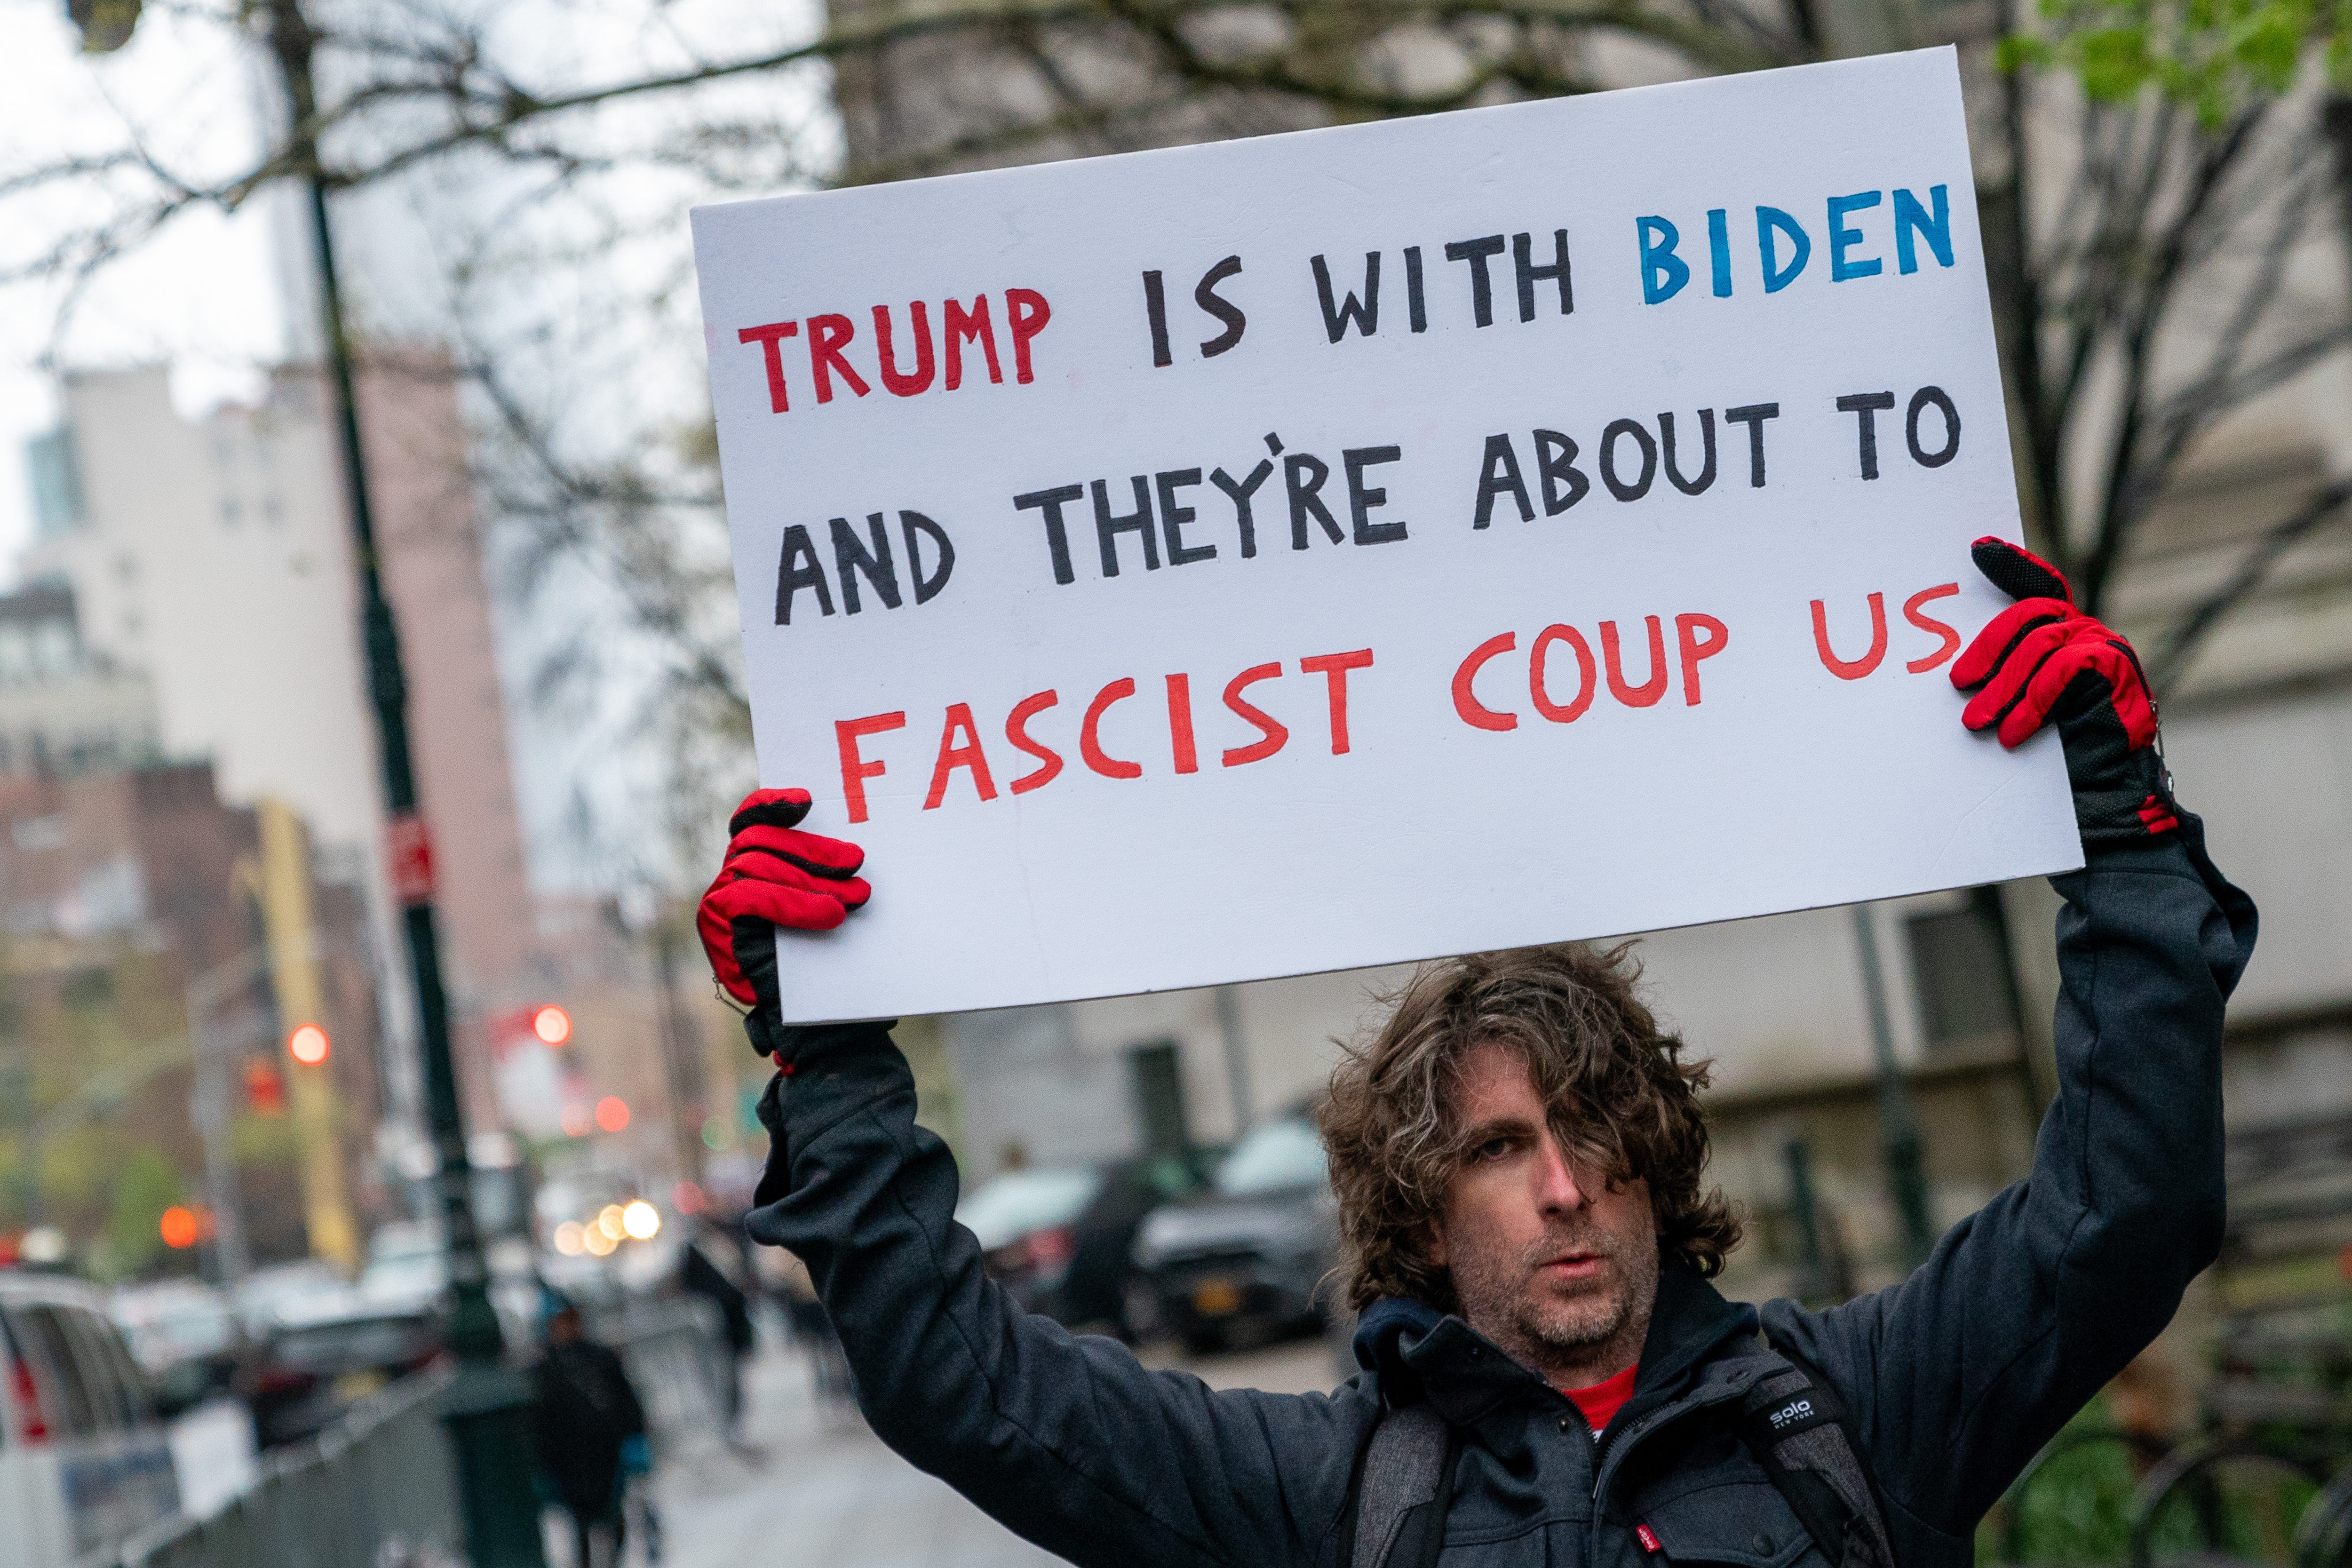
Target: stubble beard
{"x": 1505, "y": 1298}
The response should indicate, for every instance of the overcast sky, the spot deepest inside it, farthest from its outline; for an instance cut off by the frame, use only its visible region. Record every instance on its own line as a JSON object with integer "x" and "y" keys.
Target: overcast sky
{"x": 203, "y": 296}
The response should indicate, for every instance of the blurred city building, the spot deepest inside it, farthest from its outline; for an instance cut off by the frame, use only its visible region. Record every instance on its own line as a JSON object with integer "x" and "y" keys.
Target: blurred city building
{"x": 189, "y": 611}
{"x": 211, "y": 561}
{"x": 652, "y": 1072}
{"x": 133, "y": 901}
{"x": 64, "y": 710}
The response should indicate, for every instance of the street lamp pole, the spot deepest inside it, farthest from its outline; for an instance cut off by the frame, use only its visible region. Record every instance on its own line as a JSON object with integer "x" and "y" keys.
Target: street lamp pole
{"x": 486, "y": 1409}
{"x": 1898, "y": 1116}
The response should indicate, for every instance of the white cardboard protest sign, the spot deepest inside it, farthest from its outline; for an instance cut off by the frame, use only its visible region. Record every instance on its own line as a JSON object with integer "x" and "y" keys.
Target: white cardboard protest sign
{"x": 1367, "y": 544}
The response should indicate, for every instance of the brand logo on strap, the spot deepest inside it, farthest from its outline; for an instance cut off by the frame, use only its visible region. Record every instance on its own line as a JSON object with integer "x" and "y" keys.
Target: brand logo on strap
{"x": 1794, "y": 1411}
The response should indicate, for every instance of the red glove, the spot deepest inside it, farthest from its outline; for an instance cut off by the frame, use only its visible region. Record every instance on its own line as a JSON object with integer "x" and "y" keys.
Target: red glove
{"x": 2042, "y": 660}
{"x": 774, "y": 874}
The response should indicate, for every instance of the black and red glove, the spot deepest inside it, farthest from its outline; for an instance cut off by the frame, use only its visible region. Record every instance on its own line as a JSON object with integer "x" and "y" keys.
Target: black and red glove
{"x": 2042, "y": 660}
{"x": 774, "y": 874}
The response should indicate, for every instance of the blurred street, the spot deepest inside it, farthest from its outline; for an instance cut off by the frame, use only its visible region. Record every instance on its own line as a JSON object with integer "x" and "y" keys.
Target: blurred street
{"x": 827, "y": 1493}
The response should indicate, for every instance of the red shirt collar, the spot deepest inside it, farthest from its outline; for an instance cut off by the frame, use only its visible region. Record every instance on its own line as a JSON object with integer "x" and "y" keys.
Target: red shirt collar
{"x": 1601, "y": 1402}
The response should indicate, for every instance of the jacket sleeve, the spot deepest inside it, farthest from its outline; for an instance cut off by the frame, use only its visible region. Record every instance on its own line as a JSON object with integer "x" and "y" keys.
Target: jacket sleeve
{"x": 1065, "y": 1440}
{"x": 1956, "y": 1376}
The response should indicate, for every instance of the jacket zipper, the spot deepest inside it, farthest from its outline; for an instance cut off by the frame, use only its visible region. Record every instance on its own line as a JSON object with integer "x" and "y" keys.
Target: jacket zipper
{"x": 1657, "y": 1421}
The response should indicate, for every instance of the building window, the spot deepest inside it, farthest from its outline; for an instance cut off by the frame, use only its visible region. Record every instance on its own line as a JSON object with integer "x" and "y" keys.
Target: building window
{"x": 1960, "y": 968}
{"x": 55, "y": 650}
{"x": 57, "y": 483}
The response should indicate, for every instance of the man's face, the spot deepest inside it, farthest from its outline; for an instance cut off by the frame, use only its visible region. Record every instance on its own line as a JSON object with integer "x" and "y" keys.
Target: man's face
{"x": 1550, "y": 1263}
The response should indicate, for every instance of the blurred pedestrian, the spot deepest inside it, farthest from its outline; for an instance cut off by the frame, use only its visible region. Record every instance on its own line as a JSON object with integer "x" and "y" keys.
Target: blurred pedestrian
{"x": 699, "y": 1274}
{"x": 811, "y": 1326}
{"x": 590, "y": 1434}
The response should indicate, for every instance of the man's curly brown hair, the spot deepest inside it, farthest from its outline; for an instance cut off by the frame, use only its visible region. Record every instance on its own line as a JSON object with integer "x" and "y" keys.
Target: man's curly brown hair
{"x": 1620, "y": 1096}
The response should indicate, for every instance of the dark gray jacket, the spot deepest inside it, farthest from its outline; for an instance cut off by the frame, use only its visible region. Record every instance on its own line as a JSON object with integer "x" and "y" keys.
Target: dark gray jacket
{"x": 1954, "y": 1378}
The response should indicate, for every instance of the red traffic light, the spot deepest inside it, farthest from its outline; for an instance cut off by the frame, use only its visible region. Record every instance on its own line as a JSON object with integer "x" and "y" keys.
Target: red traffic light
{"x": 263, "y": 1091}
{"x": 307, "y": 1044}
{"x": 551, "y": 1024}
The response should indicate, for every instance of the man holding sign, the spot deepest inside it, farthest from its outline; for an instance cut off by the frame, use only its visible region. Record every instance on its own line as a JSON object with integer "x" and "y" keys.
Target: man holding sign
{"x": 1549, "y": 1376}
{"x": 1360, "y": 545}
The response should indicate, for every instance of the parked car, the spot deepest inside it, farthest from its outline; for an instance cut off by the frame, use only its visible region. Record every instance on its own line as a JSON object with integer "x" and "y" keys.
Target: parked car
{"x": 292, "y": 1292}
{"x": 1061, "y": 1241}
{"x": 1251, "y": 1258}
{"x": 187, "y": 1337}
{"x": 310, "y": 1370}
{"x": 408, "y": 1271}
{"x": 84, "y": 1463}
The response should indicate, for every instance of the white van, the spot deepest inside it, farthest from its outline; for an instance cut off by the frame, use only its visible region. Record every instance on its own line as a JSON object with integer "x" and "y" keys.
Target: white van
{"x": 83, "y": 1461}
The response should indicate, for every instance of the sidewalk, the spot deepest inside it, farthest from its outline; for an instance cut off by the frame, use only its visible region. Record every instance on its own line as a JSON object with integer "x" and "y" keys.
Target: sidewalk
{"x": 826, "y": 1493}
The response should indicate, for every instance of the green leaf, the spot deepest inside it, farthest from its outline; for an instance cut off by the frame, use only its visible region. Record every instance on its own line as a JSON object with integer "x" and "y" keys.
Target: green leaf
{"x": 2217, "y": 57}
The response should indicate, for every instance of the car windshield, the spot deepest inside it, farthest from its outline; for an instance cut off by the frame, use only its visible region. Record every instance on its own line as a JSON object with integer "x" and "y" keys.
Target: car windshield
{"x": 1274, "y": 1158}
{"x": 1020, "y": 1201}
{"x": 366, "y": 1341}
{"x": 197, "y": 1329}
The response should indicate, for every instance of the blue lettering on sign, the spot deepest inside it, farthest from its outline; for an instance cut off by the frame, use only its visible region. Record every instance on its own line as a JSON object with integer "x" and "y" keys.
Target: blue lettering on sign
{"x": 1784, "y": 246}
{"x": 1663, "y": 272}
{"x": 1843, "y": 238}
{"x": 1911, "y": 220}
{"x": 1769, "y": 220}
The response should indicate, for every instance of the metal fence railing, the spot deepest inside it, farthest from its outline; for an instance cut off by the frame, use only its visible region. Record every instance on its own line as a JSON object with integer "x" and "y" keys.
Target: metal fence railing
{"x": 672, "y": 1346}
{"x": 376, "y": 1490}
{"x": 379, "y": 1488}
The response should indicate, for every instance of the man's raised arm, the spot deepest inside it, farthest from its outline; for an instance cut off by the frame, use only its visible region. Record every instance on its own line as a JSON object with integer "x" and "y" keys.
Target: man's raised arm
{"x": 1065, "y": 1439}
{"x": 1957, "y": 1376}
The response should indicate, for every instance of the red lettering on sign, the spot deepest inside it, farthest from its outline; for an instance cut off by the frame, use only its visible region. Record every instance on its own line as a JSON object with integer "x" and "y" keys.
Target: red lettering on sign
{"x": 771, "y": 340}
{"x": 900, "y": 384}
{"x": 1029, "y": 313}
{"x": 1272, "y": 735}
{"x": 1926, "y": 623}
{"x": 959, "y": 327}
{"x": 1090, "y": 747}
{"x": 828, "y": 335}
{"x": 1465, "y": 702}
{"x": 1694, "y": 648}
{"x": 1649, "y": 690}
{"x": 1857, "y": 668}
{"x": 1334, "y": 668}
{"x": 855, "y": 769}
{"x": 1180, "y": 724}
{"x": 1587, "y": 676}
{"x": 1016, "y": 730}
{"x": 952, "y": 756}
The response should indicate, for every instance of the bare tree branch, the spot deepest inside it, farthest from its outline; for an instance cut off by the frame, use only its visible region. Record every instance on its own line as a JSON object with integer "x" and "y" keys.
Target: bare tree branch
{"x": 2181, "y": 644}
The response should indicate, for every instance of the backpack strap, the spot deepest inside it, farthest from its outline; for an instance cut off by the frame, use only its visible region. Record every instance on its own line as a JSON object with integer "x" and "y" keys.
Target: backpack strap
{"x": 1395, "y": 1512}
{"x": 1798, "y": 1428}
